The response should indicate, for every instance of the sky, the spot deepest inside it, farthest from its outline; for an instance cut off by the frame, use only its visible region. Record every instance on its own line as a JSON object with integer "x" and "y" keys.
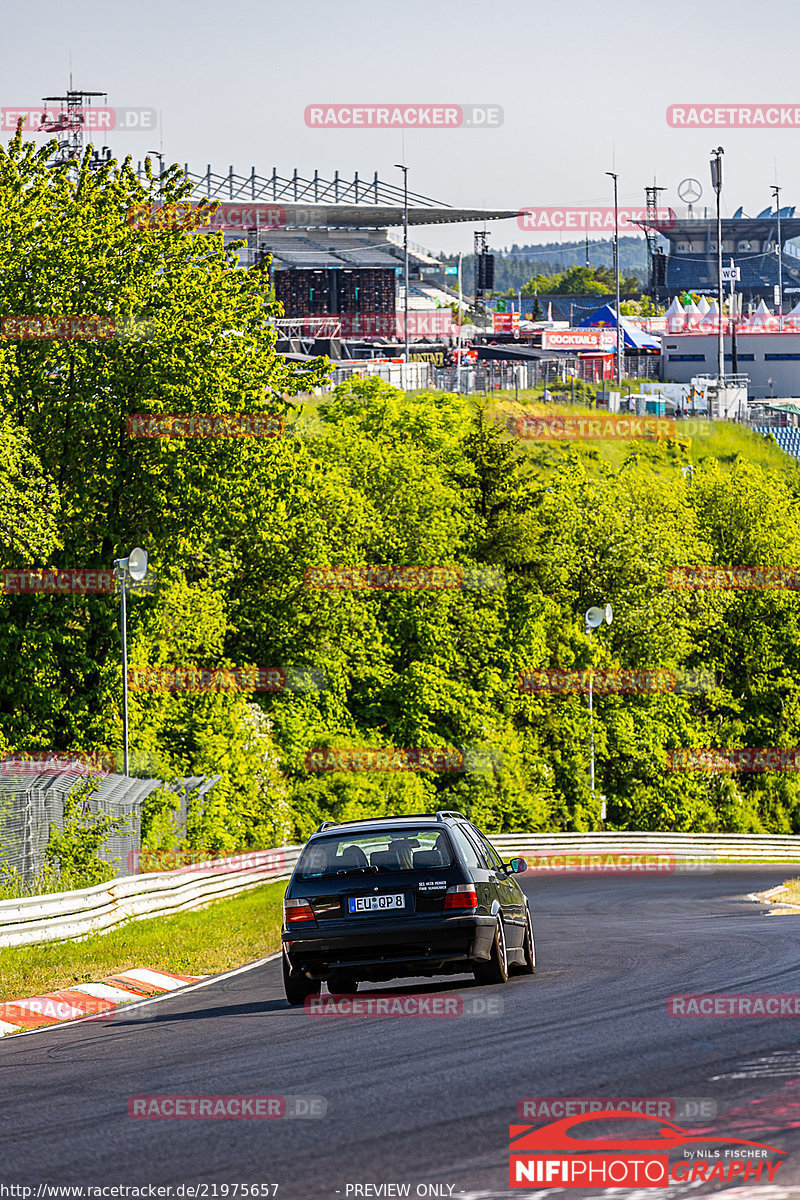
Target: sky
{"x": 584, "y": 89}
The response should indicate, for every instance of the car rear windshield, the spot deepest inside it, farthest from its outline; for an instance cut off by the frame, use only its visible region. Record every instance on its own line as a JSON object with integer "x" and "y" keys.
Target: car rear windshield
{"x": 375, "y": 850}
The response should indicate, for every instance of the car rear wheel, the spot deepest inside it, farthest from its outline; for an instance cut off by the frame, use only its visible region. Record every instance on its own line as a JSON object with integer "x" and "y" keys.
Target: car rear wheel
{"x": 528, "y": 967}
{"x": 496, "y": 969}
{"x": 297, "y": 987}
{"x": 342, "y": 983}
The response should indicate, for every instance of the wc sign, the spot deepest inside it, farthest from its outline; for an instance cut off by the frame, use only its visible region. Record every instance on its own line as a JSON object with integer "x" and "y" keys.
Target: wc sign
{"x": 731, "y": 274}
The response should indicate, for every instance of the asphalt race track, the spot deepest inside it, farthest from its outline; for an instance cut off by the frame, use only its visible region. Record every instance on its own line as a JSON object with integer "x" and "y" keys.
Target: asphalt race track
{"x": 429, "y": 1101}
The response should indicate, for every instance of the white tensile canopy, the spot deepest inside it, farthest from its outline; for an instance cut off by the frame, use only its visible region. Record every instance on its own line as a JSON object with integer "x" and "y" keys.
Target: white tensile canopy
{"x": 761, "y": 314}
{"x": 676, "y": 317}
{"x": 711, "y": 318}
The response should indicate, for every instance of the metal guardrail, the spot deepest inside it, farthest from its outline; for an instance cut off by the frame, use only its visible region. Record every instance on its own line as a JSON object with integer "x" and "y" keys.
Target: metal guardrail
{"x": 156, "y": 894}
{"x": 739, "y": 847}
{"x": 161, "y": 893}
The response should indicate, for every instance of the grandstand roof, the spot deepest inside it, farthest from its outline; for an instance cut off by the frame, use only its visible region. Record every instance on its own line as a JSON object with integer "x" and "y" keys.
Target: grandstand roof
{"x": 374, "y": 216}
{"x": 338, "y": 203}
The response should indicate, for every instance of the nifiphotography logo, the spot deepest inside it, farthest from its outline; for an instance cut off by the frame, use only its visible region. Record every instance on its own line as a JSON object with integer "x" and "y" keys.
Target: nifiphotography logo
{"x": 576, "y": 1153}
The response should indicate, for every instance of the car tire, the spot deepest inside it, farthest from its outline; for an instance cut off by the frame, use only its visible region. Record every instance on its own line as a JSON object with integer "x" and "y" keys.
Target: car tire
{"x": 528, "y": 967}
{"x": 342, "y": 983}
{"x": 298, "y": 987}
{"x": 496, "y": 969}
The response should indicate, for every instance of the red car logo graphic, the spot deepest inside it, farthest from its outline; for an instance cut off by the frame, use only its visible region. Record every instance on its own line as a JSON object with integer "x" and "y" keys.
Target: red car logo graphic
{"x": 555, "y": 1138}
{"x": 552, "y": 1156}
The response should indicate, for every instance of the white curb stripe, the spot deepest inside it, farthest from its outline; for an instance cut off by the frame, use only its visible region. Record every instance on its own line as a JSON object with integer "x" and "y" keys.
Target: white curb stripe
{"x": 154, "y": 978}
{"x": 144, "y": 1001}
{"x": 5, "y": 1027}
{"x": 104, "y": 991}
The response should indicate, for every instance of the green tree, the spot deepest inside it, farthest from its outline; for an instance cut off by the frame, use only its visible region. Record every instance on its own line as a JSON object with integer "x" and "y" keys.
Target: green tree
{"x": 579, "y": 281}
{"x": 192, "y": 336}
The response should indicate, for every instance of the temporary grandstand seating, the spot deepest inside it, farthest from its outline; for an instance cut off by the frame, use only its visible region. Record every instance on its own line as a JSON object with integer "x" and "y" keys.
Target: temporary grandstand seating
{"x": 339, "y": 249}
{"x": 425, "y": 296}
{"x": 690, "y": 271}
{"x": 306, "y": 258}
{"x": 787, "y": 437}
{"x": 365, "y": 257}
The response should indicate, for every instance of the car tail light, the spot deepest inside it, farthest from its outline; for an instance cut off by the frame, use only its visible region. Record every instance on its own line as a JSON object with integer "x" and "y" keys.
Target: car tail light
{"x": 297, "y": 910}
{"x": 463, "y": 895}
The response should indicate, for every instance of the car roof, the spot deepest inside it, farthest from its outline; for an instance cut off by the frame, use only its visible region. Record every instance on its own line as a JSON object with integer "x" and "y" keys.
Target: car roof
{"x": 424, "y": 820}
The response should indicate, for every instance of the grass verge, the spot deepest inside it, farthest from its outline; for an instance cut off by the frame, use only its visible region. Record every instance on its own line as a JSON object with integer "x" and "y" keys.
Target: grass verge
{"x": 792, "y": 893}
{"x": 227, "y": 934}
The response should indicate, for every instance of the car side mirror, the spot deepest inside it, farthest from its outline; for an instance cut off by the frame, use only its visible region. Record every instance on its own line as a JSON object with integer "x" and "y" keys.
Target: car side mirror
{"x": 517, "y": 866}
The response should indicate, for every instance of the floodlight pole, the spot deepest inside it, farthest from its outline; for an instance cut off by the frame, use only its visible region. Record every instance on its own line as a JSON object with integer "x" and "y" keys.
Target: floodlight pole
{"x": 776, "y": 191}
{"x": 716, "y": 183}
{"x": 121, "y": 564}
{"x": 592, "y": 619}
{"x": 614, "y": 176}
{"x": 588, "y": 630}
{"x": 460, "y": 331}
{"x": 135, "y": 565}
{"x": 404, "y": 169}
{"x": 591, "y": 721}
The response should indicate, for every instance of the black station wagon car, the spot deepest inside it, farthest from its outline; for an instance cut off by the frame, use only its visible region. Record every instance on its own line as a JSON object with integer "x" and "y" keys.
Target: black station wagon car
{"x": 401, "y": 896}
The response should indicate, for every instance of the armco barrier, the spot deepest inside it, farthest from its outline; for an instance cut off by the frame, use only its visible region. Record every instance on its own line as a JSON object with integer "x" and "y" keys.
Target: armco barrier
{"x": 736, "y": 847}
{"x": 160, "y": 893}
{"x": 156, "y": 894}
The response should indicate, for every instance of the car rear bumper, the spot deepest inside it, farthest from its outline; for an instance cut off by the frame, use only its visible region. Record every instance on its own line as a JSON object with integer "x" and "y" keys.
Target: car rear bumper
{"x": 379, "y": 948}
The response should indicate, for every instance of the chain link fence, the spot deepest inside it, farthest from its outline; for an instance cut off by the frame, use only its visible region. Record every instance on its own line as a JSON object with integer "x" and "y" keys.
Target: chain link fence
{"x": 30, "y": 805}
{"x": 492, "y": 375}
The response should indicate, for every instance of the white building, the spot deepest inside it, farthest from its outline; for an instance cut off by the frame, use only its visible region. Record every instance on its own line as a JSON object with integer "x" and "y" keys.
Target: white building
{"x": 771, "y": 360}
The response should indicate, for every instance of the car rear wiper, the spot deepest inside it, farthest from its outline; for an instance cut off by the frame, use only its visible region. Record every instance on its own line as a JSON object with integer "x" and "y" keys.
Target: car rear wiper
{"x": 357, "y": 871}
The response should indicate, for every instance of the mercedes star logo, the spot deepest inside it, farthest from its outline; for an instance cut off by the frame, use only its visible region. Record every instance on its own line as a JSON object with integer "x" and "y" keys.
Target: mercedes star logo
{"x": 690, "y": 190}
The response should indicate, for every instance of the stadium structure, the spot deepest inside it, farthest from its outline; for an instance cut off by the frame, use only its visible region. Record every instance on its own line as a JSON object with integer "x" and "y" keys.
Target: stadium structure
{"x": 334, "y": 249}
{"x": 690, "y": 263}
{"x": 331, "y": 246}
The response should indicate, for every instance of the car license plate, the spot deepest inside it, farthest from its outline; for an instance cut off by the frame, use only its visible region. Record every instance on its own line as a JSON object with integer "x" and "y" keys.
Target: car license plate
{"x": 363, "y": 904}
